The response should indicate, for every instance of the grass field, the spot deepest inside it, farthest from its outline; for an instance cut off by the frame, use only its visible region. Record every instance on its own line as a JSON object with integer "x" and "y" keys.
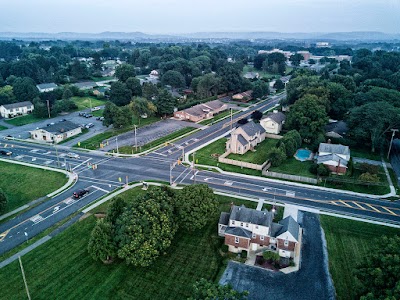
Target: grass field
{"x": 28, "y": 119}
{"x": 62, "y": 268}
{"x": 294, "y": 167}
{"x": 23, "y": 184}
{"x": 157, "y": 142}
{"x": 94, "y": 142}
{"x": 348, "y": 242}
{"x": 259, "y": 156}
{"x": 97, "y": 113}
{"x": 84, "y": 102}
{"x": 365, "y": 153}
{"x": 96, "y": 79}
{"x": 2, "y": 127}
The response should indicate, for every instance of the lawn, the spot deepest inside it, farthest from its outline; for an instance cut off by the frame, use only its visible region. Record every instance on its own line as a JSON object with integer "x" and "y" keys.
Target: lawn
{"x": 62, "y": 268}
{"x": 348, "y": 242}
{"x": 259, "y": 156}
{"x": 23, "y": 184}
{"x": 23, "y": 120}
{"x": 87, "y": 102}
{"x": 95, "y": 141}
{"x": 97, "y": 113}
{"x": 365, "y": 153}
{"x": 218, "y": 117}
{"x": 294, "y": 167}
{"x": 96, "y": 79}
{"x": 157, "y": 142}
{"x": 2, "y": 127}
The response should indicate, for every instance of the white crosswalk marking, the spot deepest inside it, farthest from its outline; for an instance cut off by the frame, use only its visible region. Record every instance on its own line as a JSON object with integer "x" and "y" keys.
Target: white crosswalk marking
{"x": 34, "y": 150}
{"x": 69, "y": 201}
{"x": 47, "y": 162}
{"x": 19, "y": 157}
{"x": 36, "y": 219}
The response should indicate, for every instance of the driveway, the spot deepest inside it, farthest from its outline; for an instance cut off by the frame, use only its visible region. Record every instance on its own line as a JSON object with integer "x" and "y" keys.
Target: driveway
{"x": 311, "y": 282}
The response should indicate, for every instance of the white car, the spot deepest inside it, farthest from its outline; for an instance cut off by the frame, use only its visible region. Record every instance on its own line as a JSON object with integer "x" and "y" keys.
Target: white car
{"x": 73, "y": 155}
{"x": 95, "y": 108}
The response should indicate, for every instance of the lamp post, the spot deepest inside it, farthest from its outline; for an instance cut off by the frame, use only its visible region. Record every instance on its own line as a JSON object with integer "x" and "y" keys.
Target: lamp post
{"x": 116, "y": 141}
{"x": 48, "y": 107}
{"x": 135, "y": 138}
{"x": 391, "y": 141}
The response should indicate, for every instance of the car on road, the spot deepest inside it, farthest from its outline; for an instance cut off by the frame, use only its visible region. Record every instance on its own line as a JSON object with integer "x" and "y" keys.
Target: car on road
{"x": 62, "y": 120}
{"x": 95, "y": 108}
{"x": 49, "y": 124}
{"x": 88, "y": 116}
{"x": 100, "y": 118}
{"x": 5, "y": 152}
{"x": 89, "y": 125}
{"x": 81, "y": 114}
{"x": 73, "y": 155}
{"x": 79, "y": 193}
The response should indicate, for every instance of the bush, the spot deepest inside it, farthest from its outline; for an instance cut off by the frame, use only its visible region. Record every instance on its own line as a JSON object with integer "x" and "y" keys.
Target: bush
{"x": 314, "y": 169}
{"x": 3, "y": 201}
{"x": 367, "y": 168}
{"x": 224, "y": 248}
{"x": 323, "y": 170}
{"x": 243, "y": 254}
{"x": 271, "y": 256}
{"x": 277, "y": 156}
{"x": 368, "y": 177}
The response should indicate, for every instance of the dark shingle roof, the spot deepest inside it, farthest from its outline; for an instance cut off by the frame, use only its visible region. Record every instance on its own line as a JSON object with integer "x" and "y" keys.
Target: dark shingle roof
{"x": 85, "y": 84}
{"x": 252, "y": 128}
{"x": 278, "y": 117}
{"x": 18, "y": 104}
{"x": 275, "y": 228}
{"x": 238, "y": 231}
{"x": 339, "y": 127}
{"x": 224, "y": 218}
{"x": 334, "y": 148}
{"x": 290, "y": 225}
{"x": 204, "y": 108}
{"x": 60, "y": 127}
{"x": 248, "y": 215}
{"x": 43, "y": 86}
{"x": 242, "y": 140}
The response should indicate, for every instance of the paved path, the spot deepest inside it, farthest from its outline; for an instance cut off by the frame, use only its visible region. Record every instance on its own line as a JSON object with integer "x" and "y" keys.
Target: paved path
{"x": 5, "y": 124}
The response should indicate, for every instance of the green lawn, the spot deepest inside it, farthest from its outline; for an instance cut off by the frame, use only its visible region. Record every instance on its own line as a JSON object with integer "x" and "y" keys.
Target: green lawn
{"x": 348, "y": 242}
{"x": 260, "y": 154}
{"x": 294, "y": 167}
{"x": 96, "y": 79}
{"x": 157, "y": 142}
{"x": 365, "y": 153}
{"x": 62, "y": 268}
{"x": 2, "y": 127}
{"x": 19, "y": 121}
{"x": 218, "y": 117}
{"x": 94, "y": 142}
{"x": 264, "y": 74}
{"x": 97, "y": 113}
{"x": 23, "y": 184}
{"x": 84, "y": 102}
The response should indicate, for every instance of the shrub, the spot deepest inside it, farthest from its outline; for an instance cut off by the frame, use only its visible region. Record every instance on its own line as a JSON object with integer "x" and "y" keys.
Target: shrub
{"x": 313, "y": 169}
{"x": 269, "y": 255}
{"x": 277, "y": 156}
{"x": 367, "y": 168}
{"x": 224, "y": 248}
{"x": 243, "y": 254}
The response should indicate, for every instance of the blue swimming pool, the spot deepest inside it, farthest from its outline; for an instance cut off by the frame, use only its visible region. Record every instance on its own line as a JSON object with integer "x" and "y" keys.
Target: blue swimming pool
{"x": 303, "y": 154}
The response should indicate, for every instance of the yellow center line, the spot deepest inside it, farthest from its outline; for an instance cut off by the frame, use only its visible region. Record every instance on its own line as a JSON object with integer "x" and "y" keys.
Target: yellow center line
{"x": 341, "y": 201}
{"x": 387, "y": 209}
{"x": 358, "y": 205}
{"x": 373, "y": 207}
{"x": 3, "y": 235}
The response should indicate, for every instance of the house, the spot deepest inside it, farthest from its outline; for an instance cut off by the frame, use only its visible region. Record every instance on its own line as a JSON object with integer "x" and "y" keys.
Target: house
{"x": 85, "y": 85}
{"x": 245, "y": 138}
{"x": 56, "y": 133}
{"x": 253, "y": 230}
{"x": 154, "y": 74}
{"x": 251, "y": 75}
{"x": 272, "y": 122}
{"x": 46, "y": 87}
{"x": 336, "y": 129}
{"x": 100, "y": 91}
{"x": 16, "y": 109}
{"x": 286, "y": 79}
{"x": 201, "y": 111}
{"x": 306, "y": 54}
{"x": 243, "y": 97}
{"x": 335, "y": 156}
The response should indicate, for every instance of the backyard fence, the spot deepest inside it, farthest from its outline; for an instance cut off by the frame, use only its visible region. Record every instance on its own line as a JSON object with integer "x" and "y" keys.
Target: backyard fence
{"x": 267, "y": 173}
{"x": 239, "y": 163}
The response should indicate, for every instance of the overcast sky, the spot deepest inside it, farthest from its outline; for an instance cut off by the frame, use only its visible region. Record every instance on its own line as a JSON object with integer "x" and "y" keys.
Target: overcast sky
{"x": 183, "y": 16}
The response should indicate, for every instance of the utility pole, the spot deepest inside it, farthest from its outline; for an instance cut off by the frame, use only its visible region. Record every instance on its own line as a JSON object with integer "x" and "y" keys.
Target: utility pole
{"x": 135, "y": 138}
{"x": 116, "y": 141}
{"x": 391, "y": 141}
{"x": 23, "y": 276}
{"x": 58, "y": 159}
{"x": 48, "y": 107}
{"x": 231, "y": 119}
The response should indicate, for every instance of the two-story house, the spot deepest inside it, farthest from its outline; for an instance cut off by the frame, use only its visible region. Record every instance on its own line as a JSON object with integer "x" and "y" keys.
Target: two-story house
{"x": 245, "y": 138}
{"x": 46, "y": 87}
{"x": 273, "y": 122}
{"x": 16, "y": 109}
{"x": 252, "y": 230}
{"x": 335, "y": 156}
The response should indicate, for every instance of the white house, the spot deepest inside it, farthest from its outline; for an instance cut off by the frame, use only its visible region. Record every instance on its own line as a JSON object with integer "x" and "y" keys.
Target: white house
{"x": 334, "y": 156}
{"x": 16, "y": 109}
{"x": 46, "y": 87}
{"x": 56, "y": 133}
{"x": 273, "y": 122}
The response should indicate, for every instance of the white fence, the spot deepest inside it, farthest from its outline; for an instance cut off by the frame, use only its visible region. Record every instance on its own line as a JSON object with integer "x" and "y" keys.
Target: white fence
{"x": 289, "y": 177}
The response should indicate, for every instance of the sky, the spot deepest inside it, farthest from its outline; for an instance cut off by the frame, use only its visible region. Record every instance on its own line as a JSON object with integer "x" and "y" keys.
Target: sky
{"x": 180, "y": 16}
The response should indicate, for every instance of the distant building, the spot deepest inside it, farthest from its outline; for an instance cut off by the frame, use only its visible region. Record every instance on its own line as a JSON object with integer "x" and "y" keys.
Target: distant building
{"x": 287, "y": 54}
{"x": 251, "y": 75}
{"x": 85, "y": 85}
{"x": 56, "y": 133}
{"x": 201, "y": 111}
{"x": 154, "y": 73}
{"x": 322, "y": 45}
{"x": 336, "y": 129}
{"x": 306, "y": 54}
{"x": 16, "y": 109}
{"x": 335, "y": 156}
{"x": 243, "y": 97}
{"x": 245, "y": 137}
{"x": 46, "y": 87}
{"x": 100, "y": 91}
{"x": 273, "y": 122}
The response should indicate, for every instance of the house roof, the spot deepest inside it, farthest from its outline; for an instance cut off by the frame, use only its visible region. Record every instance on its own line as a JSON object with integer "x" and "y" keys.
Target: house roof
{"x": 275, "y": 228}
{"x": 242, "y": 140}
{"x": 216, "y": 104}
{"x": 43, "y": 86}
{"x": 60, "y": 127}
{"x": 290, "y": 225}
{"x": 339, "y": 127}
{"x": 238, "y": 231}
{"x": 286, "y": 78}
{"x": 248, "y": 215}
{"x": 334, "y": 148}
{"x": 85, "y": 84}
{"x": 332, "y": 157}
{"x": 201, "y": 109}
{"x": 278, "y": 117}
{"x": 18, "y": 104}
{"x": 224, "y": 218}
{"x": 252, "y": 128}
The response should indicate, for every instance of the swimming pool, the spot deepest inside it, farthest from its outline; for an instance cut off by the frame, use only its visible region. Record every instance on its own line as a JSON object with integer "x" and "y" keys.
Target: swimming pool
{"x": 303, "y": 154}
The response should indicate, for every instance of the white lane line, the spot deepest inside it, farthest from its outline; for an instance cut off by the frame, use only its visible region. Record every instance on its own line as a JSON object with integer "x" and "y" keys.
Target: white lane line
{"x": 81, "y": 164}
{"x": 100, "y": 189}
{"x": 47, "y": 162}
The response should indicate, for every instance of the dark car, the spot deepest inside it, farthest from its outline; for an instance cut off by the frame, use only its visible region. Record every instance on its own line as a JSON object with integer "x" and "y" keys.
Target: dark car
{"x": 88, "y": 116}
{"x": 5, "y": 152}
{"x": 82, "y": 114}
{"x": 79, "y": 193}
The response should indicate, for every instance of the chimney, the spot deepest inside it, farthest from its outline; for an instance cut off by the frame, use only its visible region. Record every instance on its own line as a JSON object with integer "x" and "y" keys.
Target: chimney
{"x": 275, "y": 111}
{"x": 329, "y": 141}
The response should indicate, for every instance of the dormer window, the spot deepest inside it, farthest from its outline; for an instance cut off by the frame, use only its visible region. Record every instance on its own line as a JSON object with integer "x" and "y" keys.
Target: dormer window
{"x": 286, "y": 243}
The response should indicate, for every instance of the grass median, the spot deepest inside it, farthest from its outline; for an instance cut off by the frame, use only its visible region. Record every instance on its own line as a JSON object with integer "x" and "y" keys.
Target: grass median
{"x": 23, "y": 120}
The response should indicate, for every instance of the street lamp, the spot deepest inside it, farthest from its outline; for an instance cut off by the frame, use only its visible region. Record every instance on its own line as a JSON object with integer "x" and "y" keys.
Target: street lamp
{"x": 391, "y": 141}
{"x": 135, "y": 138}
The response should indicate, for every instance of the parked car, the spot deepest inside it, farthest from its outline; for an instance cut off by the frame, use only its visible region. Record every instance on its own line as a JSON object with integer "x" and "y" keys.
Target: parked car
{"x": 95, "y": 108}
{"x": 100, "y": 118}
{"x": 89, "y": 125}
{"x": 63, "y": 120}
{"x": 79, "y": 193}
{"x": 5, "y": 152}
{"x": 73, "y": 155}
{"x": 88, "y": 116}
{"x": 49, "y": 124}
{"x": 81, "y": 114}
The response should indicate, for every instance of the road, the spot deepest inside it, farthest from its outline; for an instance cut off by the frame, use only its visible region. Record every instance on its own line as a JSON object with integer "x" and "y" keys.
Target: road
{"x": 156, "y": 166}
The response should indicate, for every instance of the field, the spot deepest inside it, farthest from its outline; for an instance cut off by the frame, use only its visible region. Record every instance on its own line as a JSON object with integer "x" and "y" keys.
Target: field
{"x": 2, "y": 127}
{"x": 85, "y": 102}
{"x": 19, "y": 121}
{"x": 259, "y": 156}
{"x": 294, "y": 167}
{"x": 348, "y": 242}
{"x": 62, "y": 268}
{"x": 23, "y": 184}
{"x": 365, "y": 153}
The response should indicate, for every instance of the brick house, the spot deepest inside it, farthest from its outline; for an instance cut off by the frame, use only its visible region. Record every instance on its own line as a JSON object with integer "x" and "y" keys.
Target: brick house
{"x": 243, "y": 97}
{"x": 335, "y": 156}
{"x": 201, "y": 111}
{"x": 252, "y": 230}
{"x": 245, "y": 138}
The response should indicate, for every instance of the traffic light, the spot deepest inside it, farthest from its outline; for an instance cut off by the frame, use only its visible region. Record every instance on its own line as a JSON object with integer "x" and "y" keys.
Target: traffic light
{"x": 179, "y": 162}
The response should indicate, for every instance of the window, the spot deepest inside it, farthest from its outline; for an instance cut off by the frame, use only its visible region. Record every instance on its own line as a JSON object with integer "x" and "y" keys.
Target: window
{"x": 233, "y": 222}
{"x": 247, "y": 225}
{"x": 261, "y": 237}
{"x": 241, "y": 224}
{"x": 239, "y": 148}
{"x": 236, "y": 240}
{"x": 254, "y": 236}
{"x": 256, "y": 226}
{"x": 286, "y": 243}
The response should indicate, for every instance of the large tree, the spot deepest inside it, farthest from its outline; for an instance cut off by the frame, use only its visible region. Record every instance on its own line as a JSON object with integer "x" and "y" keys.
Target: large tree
{"x": 165, "y": 103}
{"x": 24, "y": 89}
{"x": 6, "y": 95}
{"x": 133, "y": 84}
{"x": 125, "y": 71}
{"x": 120, "y": 94}
{"x": 296, "y": 59}
{"x": 173, "y": 78}
{"x": 101, "y": 243}
{"x": 141, "y": 106}
{"x": 196, "y": 204}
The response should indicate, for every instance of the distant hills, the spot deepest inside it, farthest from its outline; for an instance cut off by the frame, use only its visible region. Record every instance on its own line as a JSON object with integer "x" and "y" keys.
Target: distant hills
{"x": 140, "y": 36}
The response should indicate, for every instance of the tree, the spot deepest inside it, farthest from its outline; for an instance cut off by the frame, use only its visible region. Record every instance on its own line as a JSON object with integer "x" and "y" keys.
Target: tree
{"x": 378, "y": 275}
{"x": 97, "y": 61}
{"x": 195, "y": 204}
{"x": 24, "y": 89}
{"x": 207, "y": 85}
{"x": 275, "y": 63}
{"x": 125, "y": 71}
{"x": 149, "y": 90}
{"x": 115, "y": 209}
{"x": 146, "y": 228}
{"x": 40, "y": 110}
{"x": 368, "y": 177}
{"x": 101, "y": 243}
{"x": 142, "y": 106}
{"x": 67, "y": 94}
{"x": 173, "y": 78}
{"x": 109, "y": 113}
{"x": 6, "y": 95}
{"x": 308, "y": 117}
{"x": 133, "y": 84}
{"x": 256, "y": 115}
{"x": 3, "y": 201}
{"x": 78, "y": 70}
{"x": 259, "y": 60}
{"x": 120, "y": 94}
{"x": 165, "y": 103}
{"x": 260, "y": 89}
{"x": 206, "y": 290}
{"x": 279, "y": 85}
{"x": 277, "y": 156}
{"x": 296, "y": 59}
{"x": 122, "y": 117}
